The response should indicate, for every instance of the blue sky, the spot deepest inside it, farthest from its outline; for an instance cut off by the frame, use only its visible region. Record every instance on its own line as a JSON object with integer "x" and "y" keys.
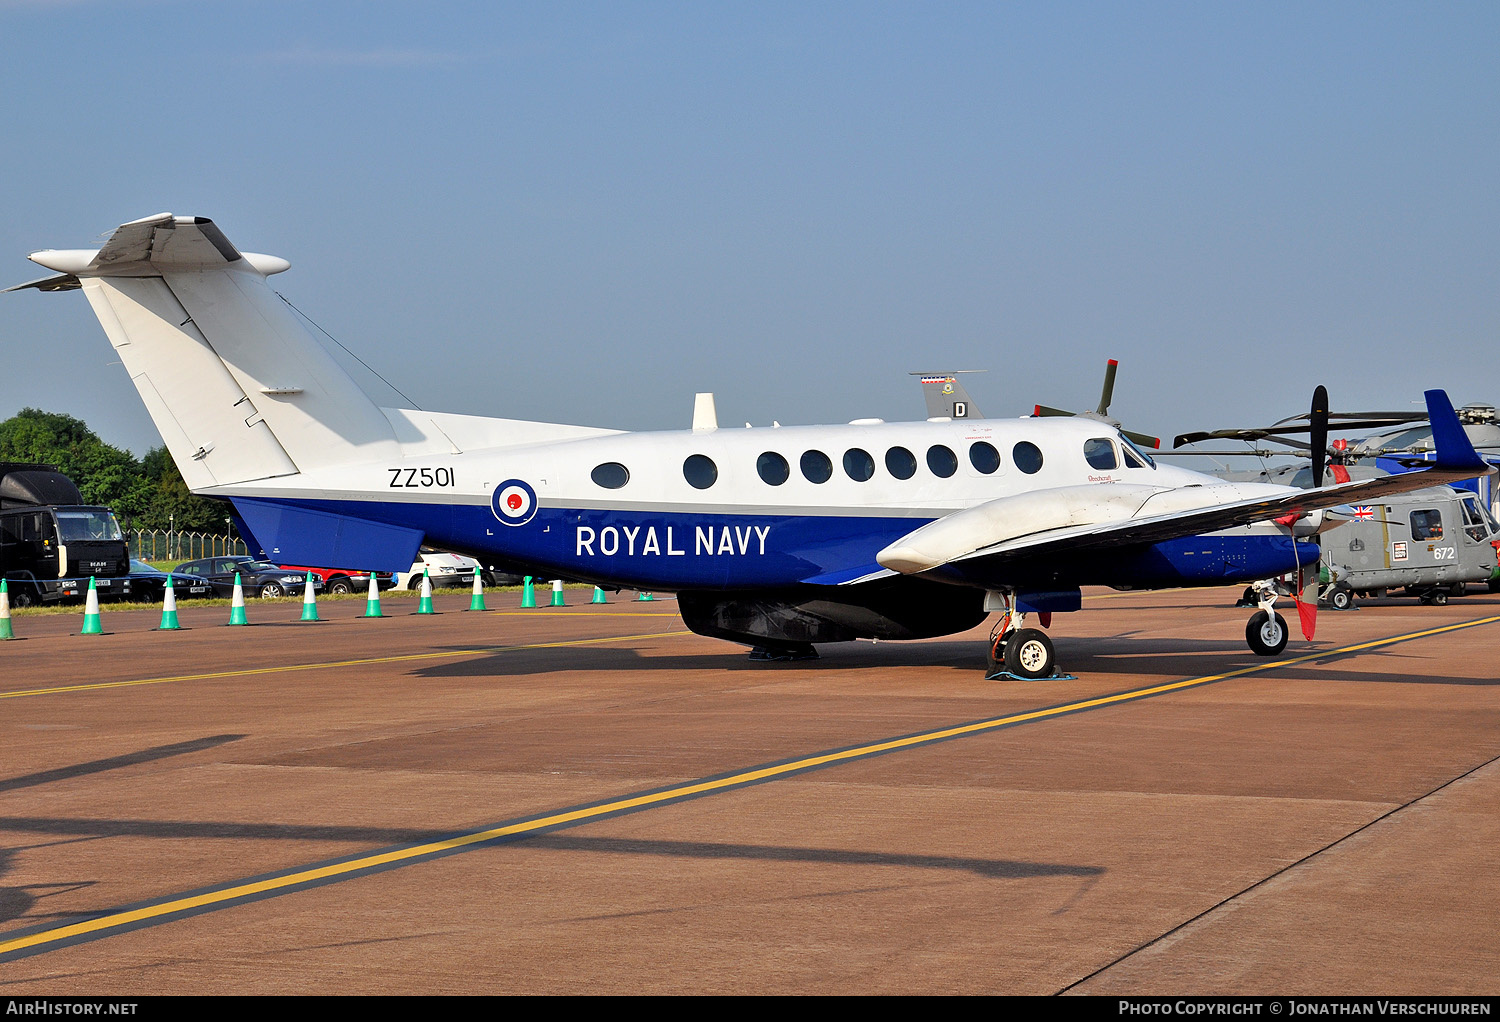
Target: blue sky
{"x": 588, "y": 212}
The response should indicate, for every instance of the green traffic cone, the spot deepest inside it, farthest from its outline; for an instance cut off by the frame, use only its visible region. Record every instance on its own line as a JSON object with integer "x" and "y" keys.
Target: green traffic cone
{"x": 309, "y": 601}
{"x": 424, "y": 603}
{"x": 169, "y": 609}
{"x": 5, "y": 632}
{"x": 528, "y": 594}
{"x": 237, "y": 603}
{"x": 476, "y": 602}
{"x": 645, "y": 598}
{"x": 557, "y": 593}
{"x": 91, "y": 623}
{"x": 598, "y": 596}
{"x": 372, "y": 602}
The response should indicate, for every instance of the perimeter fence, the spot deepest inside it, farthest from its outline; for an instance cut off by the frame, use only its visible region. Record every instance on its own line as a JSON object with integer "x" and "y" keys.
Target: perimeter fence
{"x": 170, "y": 545}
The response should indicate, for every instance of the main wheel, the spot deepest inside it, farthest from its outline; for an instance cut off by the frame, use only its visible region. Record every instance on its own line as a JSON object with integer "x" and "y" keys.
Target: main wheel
{"x": 341, "y": 586}
{"x": 1340, "y": 598}
{"x": 1029, "y": 654}
{"x": 1439, "y": 597}
{"x": 23, "y": 597}
{"x": 1458, "y": 589}
{"x": 271, "y": 590}
{"x": 1267, "y": 633}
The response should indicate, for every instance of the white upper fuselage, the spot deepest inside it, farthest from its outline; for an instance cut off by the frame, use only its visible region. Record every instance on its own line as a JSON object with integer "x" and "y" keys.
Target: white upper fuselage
{"x": 561, "y": 471}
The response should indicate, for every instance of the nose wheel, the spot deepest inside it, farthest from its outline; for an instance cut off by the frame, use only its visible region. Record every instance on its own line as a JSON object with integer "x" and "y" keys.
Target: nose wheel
{"x": 1267, "y": 633}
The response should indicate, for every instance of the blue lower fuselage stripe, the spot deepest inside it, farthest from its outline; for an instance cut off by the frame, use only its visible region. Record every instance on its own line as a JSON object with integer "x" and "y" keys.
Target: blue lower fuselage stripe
{"x": 704, "y": 550}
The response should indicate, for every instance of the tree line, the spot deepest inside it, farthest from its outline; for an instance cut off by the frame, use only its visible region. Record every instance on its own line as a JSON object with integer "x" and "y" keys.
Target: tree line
{"x": 148, "y": 492}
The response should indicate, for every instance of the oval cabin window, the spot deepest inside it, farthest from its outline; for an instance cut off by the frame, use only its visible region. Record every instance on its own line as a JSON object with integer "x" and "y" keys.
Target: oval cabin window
{"x": 611, "y": 475}
{"x": 700, "y": 471}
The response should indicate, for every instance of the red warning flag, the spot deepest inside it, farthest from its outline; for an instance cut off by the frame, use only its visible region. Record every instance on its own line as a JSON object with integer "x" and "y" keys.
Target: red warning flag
{"x": 1307, "y": 614}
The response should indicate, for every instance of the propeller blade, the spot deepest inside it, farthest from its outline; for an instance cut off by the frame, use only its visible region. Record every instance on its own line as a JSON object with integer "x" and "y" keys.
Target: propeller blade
{"x": 1109, "y": 386}
{"x": 1317, "y": 437}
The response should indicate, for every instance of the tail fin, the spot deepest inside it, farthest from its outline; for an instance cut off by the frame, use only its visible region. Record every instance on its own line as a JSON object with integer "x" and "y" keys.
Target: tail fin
{"x": 237, "y": 386}
{"x": 946, "y": 397}
{"x": 1454, "y": 448}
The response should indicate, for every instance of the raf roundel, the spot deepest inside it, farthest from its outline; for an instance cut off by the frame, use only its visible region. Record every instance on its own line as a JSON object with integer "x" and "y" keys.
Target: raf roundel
{"x": 514, "y": 502}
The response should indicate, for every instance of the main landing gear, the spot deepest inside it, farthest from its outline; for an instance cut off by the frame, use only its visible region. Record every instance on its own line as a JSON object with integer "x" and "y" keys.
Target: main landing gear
{"x": 1016, "y": 651}
{"x": 1266, "y": 631}
{"x": 783, "y": 651}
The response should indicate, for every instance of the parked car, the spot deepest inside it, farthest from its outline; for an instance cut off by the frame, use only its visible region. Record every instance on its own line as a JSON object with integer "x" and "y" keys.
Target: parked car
{"x": 148, "y": 583}
{"x": 443, "y": 568}
{"x": 347, "y": 580}
{"x": 258, "y": 578}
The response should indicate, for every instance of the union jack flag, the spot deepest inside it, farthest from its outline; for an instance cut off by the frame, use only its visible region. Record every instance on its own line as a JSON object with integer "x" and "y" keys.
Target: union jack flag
{"x": 1362, "y": 512}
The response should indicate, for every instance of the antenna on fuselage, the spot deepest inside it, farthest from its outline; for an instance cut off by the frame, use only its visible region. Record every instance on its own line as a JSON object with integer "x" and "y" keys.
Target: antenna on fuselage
{"x": 705, "y": 416}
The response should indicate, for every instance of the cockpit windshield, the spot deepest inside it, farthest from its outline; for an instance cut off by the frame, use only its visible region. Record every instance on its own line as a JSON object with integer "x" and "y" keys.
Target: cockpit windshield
{"x": 1478, "y": 522}
{"x": 1136, "y": 457}
{"x": 87, "y": 526}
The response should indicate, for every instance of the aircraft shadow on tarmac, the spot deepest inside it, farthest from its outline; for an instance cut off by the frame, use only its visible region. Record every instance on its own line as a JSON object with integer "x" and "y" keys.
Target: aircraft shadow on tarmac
{"x": 16, "y": 902}
{"x": 100, "y": 766}
{"x": 1122, "y": 655}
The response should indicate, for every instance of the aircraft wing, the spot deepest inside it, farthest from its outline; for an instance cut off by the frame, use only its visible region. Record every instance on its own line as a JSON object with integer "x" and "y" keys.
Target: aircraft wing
{"x": 975, "y": 541}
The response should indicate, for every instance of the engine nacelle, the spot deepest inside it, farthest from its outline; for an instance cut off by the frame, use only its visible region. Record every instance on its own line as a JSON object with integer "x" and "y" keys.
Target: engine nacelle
{"x": 912, "y": 609}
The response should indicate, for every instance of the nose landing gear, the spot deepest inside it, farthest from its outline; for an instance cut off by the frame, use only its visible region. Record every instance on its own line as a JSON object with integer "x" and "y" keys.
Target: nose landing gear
{"x": 1266, "y": 631}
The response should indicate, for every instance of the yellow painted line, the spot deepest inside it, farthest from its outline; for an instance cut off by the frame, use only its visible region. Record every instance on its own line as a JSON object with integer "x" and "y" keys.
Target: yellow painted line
{"x": 254, "y": 671}
{"x": 172, "y": 906}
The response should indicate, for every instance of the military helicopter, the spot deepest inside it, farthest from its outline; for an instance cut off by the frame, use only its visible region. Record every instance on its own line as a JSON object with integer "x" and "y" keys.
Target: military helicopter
{"x": 1429, "y": 543}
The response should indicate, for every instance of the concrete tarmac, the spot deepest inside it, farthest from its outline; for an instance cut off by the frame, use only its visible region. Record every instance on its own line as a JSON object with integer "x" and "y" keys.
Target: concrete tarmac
{"x": 593, "y": 800}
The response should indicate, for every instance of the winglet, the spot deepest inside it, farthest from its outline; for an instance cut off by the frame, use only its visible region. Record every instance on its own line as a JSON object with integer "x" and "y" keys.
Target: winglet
{"x": 1454, "y": 451}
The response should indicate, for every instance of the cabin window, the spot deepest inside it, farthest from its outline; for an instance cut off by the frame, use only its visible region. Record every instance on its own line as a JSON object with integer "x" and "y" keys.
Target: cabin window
{"x": 773, "y": 468}
{"x": 900, "y": 463}
{"x": 700, "y": 471}
{"x": 816, "y": 466}
{"x": 942, "y": 461}
{"x": 611, "y": 475}
{"x": 1027, "y": 456}
{"x": 984, "y": 457}
{"x": 1100, "y": 453}
{"x": 1427, "y": 524}
{"x": 858, "y": 465}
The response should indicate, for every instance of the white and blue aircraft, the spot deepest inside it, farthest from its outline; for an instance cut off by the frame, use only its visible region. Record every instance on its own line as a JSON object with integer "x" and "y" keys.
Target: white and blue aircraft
{"x": 775, "y": 538}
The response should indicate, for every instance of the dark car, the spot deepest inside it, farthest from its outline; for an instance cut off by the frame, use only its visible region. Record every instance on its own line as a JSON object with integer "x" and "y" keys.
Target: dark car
{"x": 148, "y": 583}
{"x": 257, "y": 578}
